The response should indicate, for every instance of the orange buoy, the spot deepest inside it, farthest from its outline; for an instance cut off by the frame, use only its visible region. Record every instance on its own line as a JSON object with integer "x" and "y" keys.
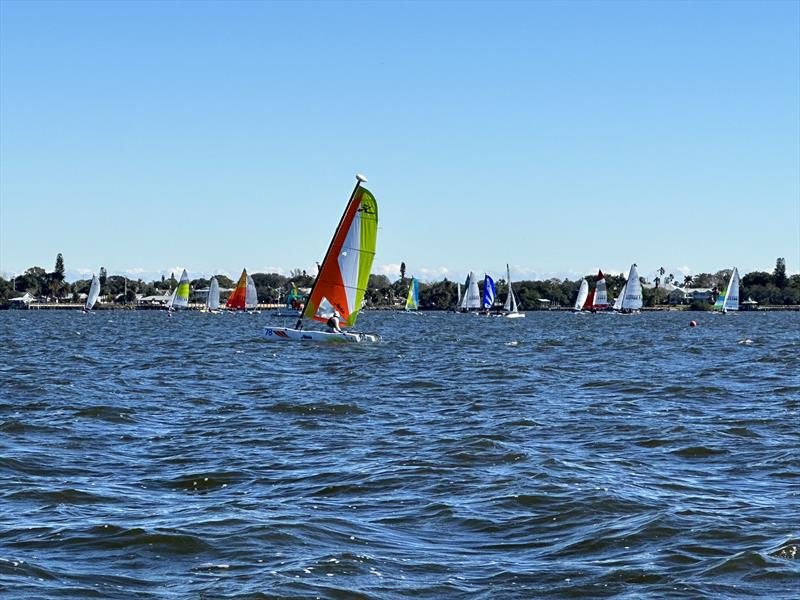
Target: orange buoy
{"x": 692, "y": 323}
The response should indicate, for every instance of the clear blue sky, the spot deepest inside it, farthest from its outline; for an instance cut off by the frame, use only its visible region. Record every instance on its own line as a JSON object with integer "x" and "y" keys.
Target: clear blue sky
{"x": 559, "y": 137}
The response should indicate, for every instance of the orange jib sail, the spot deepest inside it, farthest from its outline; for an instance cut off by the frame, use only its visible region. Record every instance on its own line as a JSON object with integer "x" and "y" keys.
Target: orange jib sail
{"x": 342, "y": 280}
{"x": 237, "y": 299}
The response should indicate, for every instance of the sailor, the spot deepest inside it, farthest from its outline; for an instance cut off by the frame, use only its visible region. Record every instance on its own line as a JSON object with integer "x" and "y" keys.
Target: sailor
{"x": 333, "y": 323}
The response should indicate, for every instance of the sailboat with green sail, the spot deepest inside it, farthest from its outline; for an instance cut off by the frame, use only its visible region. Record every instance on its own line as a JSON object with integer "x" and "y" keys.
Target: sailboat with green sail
{"x": 412, "y": 299}
{"x": 339, "y": 289}
{"x": 180, "y": 295}
{"x": 728, "y": 300}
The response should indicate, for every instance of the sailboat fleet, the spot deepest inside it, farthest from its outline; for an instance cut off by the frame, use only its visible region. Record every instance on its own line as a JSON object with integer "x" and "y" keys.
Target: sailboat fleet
{"x": 338, "y": 293}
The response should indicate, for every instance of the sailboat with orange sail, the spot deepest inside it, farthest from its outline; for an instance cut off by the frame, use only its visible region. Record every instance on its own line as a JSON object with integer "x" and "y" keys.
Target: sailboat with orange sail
{"x": 342, "y": 279}
{"x": 244, "y": 296}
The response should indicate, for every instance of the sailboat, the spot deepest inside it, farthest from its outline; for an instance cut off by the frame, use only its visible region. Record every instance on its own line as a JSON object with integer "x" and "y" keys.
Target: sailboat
{"x": 212, "y": 301}
{"x": 251, "y": 297}
{"x": 180, "y": 295}
{"x": 597, "y": 298}
{"x": 510, "y": 307}
{"x": 729, "y": 298}
{"x": 342, "y": 279}
{"x": 293, "y": 303}
{"x": 412, "y": 300}
{"x": 458, "y": 298}
{"x": 583, "y": 295}
{"x": 238, "y": 298}
{"x": 630, "y": 297}
{"x": 489, "y": 293}
{"x": 471, "y": 300}
{"x": 94, "y": 293}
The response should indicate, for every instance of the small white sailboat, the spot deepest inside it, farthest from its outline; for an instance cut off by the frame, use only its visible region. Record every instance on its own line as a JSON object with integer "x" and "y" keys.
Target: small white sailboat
{"x": 630, "y": 298}
{"x": 728, "y": 300}
{"x": 458, "y": 297}
{"x": 472, "y": 296}
{"x": 251, "y": 296}
{"x": 94, "y": 293}
{"x": 212, "y": 301}
{"x": 583, "y": 295}
{"x": 510, "y": 307}
{"x": 341, "y": 283}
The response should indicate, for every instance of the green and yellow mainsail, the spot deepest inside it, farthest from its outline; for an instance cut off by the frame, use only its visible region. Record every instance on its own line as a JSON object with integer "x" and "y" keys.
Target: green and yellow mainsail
{"x": 720, "y": 303}
{"x": 342, "y": 280}
{"x": 412, "y": 300}
{"x": 180, "y": 298}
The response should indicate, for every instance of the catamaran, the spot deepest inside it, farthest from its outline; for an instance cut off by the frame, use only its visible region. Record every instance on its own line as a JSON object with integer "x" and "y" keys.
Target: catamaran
{"x": 180, "y": 295}
{"x": 583, "y": 296}
{"x": 510, "y": 307}
{"x": 630, "y": 297}
{"x": 471, "y": 300}
{"x": 342, "y": 279}
{"x": 212, "y": 301}
{"x": 597, "y": 298}
{"x": 238, "y": 298}
{"x": 412, "y": 300}
{"x": 729, "y": 298}
{"x": 94, "y": 293}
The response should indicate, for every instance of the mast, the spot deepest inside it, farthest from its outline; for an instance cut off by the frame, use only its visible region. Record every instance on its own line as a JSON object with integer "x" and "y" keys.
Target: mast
{"x": 359, "y": 180}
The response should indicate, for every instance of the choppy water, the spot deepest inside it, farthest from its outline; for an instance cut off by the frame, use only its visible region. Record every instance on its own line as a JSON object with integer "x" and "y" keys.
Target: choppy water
{"x": 556, "y": 456}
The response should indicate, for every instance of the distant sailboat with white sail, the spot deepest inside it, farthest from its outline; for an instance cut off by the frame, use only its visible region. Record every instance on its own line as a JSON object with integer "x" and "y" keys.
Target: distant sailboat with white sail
{"x": 510, "y": 307}
{"x": 251, "y": 296}
{"x": 472, "y": 296}
{"x": 94, "y": 293}
{"x": 630, "y": 297}
{"x": 728, "y": 300}
{"x": 212, "y": 301}
{"x": 583, "y": 295}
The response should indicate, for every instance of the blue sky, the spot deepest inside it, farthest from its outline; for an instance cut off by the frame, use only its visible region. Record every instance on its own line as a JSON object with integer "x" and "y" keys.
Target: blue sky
{"x": 558, "y": 137}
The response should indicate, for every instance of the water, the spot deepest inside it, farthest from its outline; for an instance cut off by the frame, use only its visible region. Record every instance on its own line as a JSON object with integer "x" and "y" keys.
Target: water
{"x": 555, "y": 456}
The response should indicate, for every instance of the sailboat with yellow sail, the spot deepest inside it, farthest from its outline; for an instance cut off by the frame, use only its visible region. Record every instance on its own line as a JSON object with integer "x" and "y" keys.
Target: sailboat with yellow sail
{"x": 342, "y": 279}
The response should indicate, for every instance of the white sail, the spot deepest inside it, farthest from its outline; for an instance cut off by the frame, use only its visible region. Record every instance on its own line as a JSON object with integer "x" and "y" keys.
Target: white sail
{"x": 632, "y": 293}
{"x": 458, "y": 297}
{"x": 250, "y": 297}
{"x": 171, "y": 300}
{"x": 583, "y": 293}
{"x": 94, "y": 293}
{"x": 212, "y": 302}
{"x": 511, "y": 301}
{"x": 620, "y": 296}
{"x": 472, "y": 296}
{"x": 732, "y": 297}
{"x": 600, "y": 293}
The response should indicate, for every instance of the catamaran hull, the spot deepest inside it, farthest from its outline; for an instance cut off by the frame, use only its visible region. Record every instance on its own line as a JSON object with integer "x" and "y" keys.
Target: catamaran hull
{"x": 287, "y": 334}
{"x": 515, "y": 315}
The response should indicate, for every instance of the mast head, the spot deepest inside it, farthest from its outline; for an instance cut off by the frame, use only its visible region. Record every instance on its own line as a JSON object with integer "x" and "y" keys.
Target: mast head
{"x": 360, "y": 177}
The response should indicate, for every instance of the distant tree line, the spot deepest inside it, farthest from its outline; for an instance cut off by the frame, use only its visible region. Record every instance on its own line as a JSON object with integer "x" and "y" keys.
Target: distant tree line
{"x": 774, "y": 288}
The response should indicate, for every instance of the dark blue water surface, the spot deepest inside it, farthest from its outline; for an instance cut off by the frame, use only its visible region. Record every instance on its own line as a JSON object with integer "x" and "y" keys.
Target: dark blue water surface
{"x": 555, "y": 456}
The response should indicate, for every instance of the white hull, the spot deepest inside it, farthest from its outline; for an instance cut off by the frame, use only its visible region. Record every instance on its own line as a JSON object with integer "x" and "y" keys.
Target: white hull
{"x": 287, "y": 334}
{"x": 514, "y": 315}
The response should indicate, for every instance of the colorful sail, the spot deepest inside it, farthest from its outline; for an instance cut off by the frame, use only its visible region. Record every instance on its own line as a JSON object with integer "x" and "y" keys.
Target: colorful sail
{"x": 720, "y": 303}
{"x": 600, "y": 294}
{"x": 342, "y": 280}
{"x": 180, "y": 296}
{"x": 212, "y": 302}
{"x": 239, "y": 295}
{"x": 583, "y": 294}
{"x": 412, "y": 300}
{"x": 250, "y": 294}
{"x": 94, "y": 293}
{"x": 589, "y": 303}
{"x": 732, "y": 297}
{"x": 632, "y": 292}
{"x": 489, "y": 292}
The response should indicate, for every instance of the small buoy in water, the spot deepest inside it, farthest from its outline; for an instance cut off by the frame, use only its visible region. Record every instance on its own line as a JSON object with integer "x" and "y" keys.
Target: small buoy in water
{"x": 692, "y": 323}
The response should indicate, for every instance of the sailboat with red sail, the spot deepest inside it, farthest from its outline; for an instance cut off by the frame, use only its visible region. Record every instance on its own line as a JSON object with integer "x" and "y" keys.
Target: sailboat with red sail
{"x": 238, "y": 297}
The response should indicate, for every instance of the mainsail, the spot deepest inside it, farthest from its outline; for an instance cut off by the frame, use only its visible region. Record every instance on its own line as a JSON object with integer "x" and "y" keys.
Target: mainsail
{"x": 488, "y": 292}
{"x": 212, "y": 302}
{"x": 732, "y": 297}
{"x": 720, "y": 303}
{"x": 583, "y": 293}
{"x": 94, "y": 292}
{"x": 589, "y": 303}
{"x": 250, "y": 295}
{"x": 458, "y": 296}
{"x": 412, "y": 300}
{"x": 511, "y": 301}
{"x": 342, "y": 279}
{"x": 620, "y": 296}
{"x": 472, "y": 296}
{"x": 632, "y": 292}
{"x": 180, "y": 296}
{"x": 600, "y": 294}
{"x": 238, "y": 296}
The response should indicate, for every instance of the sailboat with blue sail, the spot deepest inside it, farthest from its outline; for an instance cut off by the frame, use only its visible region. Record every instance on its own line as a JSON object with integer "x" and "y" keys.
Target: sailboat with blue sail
{"x": 412, "y": 299}
{"x": 489, "y": 293}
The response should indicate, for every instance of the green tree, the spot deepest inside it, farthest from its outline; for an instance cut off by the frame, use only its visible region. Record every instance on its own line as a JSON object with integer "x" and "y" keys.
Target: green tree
{"x": 102, "y": 278}
{"x": 403, "y": 271}
{"x": 779, "y": 274}
{"x": 58, "y": 271}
